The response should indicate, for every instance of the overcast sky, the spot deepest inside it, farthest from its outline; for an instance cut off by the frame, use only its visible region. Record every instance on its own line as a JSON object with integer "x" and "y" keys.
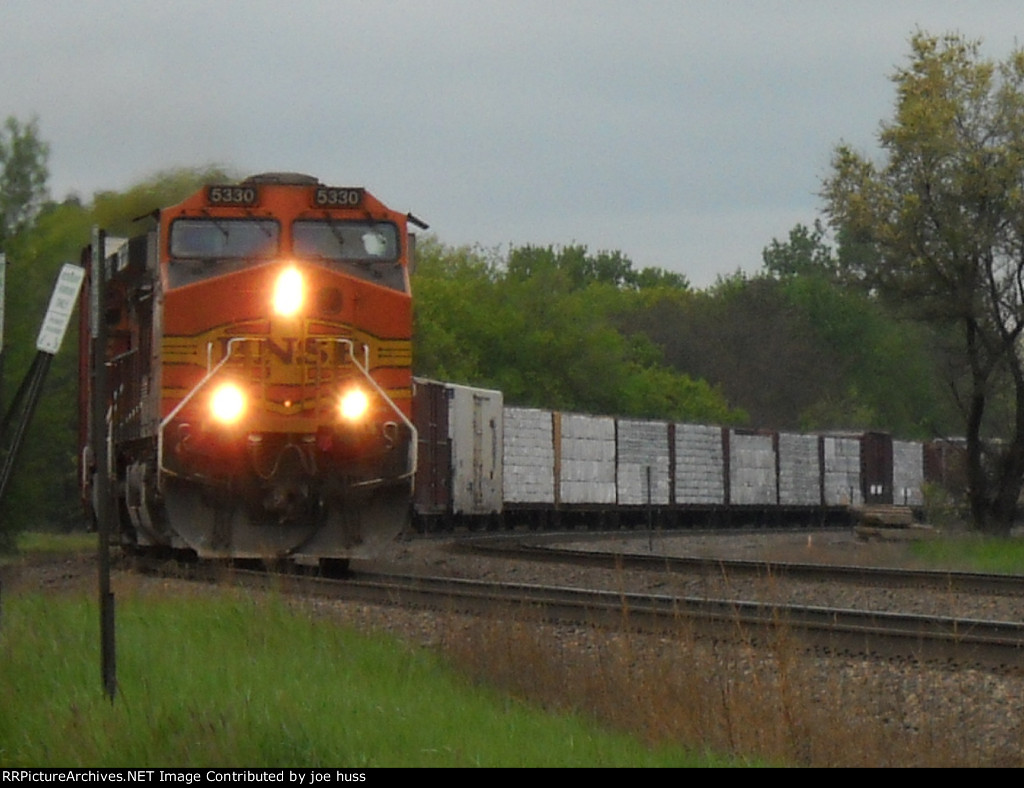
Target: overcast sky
{"x": 685, "y": 134}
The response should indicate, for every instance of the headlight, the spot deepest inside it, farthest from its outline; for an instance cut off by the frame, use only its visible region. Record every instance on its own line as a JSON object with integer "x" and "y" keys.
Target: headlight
{"x": 354, "y": 404}
{"x": 227, "y": 403}
{"x": 288, "y": 292}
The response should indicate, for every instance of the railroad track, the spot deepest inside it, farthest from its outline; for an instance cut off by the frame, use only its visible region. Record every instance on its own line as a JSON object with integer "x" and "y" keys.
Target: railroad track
{"x": 543, "y": 549}
{"x": 958, "y": 642}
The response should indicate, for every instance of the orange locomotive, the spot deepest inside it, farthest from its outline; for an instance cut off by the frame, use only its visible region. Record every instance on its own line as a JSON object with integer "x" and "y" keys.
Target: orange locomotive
{"x": 258, "y": 347}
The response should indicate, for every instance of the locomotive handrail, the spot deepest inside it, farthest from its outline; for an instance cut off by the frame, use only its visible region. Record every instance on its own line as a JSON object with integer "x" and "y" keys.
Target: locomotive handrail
{"x": 414, "y": 435}
{"x": 111, "y": 362}
{"x": 212, "y": 370}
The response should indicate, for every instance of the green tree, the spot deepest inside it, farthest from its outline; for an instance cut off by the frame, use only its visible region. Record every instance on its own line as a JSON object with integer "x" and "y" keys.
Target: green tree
{"x": 943, "y": 215}
{"x": 452, "y": 295}
{"x": 538, "y": 325}
{"x": 123, "y": 213}
{"x": 879, "y": 369}
{"x": 804, "y": 253}
{"x": 23, "y": 176}
{"x": 581, "y": 268}
{"x": 799, "y": 352}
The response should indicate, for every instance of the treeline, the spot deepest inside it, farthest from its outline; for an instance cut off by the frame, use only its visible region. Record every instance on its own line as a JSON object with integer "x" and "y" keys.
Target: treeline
{"x": 789, "y": 348}
{"x": 541, "y": 325}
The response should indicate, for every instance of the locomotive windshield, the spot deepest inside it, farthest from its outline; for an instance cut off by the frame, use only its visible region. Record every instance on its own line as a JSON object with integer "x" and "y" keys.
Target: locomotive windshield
{"x": 219, "y": 238}
{"x": 201, "y": 248}
{"x": 352, "y": 246}
{"x": 340, "y": 240}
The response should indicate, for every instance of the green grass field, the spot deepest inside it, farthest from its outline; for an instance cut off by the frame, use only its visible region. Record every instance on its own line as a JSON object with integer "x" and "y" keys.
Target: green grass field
{"x": 32, "y": 543}
{"x": 244, "y": 682}
{"x": 234, "y": 679}
{"x": 973, "y": 553}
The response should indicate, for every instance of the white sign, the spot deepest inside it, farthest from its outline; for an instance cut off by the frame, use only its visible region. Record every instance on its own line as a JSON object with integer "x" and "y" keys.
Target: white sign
{"x": 62, "y": 304}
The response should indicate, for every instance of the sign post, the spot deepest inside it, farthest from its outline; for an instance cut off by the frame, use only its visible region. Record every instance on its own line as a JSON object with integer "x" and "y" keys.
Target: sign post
{"x": 101, "y": 475}
{"x": 55, "y": 324}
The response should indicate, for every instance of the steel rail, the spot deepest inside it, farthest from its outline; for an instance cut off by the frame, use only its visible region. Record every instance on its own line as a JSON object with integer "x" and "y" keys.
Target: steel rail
{"x": 938, "y": 579}
{"x": 944, "y": 640}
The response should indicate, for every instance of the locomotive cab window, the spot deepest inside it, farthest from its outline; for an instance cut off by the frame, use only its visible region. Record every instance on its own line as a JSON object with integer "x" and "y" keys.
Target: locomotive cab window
{"x": 202, "y": 248}
{"x": 369, "y": 250}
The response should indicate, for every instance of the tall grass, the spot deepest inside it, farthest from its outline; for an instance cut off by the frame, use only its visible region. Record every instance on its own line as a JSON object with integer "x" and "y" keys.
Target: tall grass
{"x": 245, "y": 682}
{"x": 766, "y": 701}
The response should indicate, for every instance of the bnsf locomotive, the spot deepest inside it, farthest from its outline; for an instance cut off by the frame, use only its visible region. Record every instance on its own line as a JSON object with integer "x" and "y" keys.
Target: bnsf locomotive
{"x": 258, "y": 363}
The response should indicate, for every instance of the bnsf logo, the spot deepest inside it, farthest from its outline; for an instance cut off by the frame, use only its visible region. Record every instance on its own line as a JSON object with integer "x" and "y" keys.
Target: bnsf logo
{"x": 293, "y": 350}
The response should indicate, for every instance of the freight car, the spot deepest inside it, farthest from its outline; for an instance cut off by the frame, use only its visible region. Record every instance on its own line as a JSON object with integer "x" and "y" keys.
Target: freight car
{"x": 483, "y": 463}
{"x": 257, "y": 347}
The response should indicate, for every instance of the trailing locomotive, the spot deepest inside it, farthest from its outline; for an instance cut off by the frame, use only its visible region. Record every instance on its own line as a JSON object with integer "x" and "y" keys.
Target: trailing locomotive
{"x": 258, "y": 350}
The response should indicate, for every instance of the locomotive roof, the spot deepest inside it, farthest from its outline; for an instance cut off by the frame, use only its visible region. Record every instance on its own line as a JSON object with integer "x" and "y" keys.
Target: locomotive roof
{"x": 283, "y": 179}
